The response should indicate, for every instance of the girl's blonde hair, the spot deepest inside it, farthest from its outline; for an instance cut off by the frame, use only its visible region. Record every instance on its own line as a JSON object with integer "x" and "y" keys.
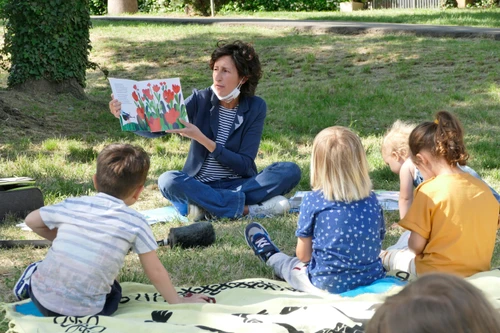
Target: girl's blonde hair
{"x": 338, "y": 165}
{"x": 396, "y": 139}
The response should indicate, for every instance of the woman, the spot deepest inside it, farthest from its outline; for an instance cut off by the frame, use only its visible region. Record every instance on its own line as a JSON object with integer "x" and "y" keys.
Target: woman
{"x": 225, "y": 127}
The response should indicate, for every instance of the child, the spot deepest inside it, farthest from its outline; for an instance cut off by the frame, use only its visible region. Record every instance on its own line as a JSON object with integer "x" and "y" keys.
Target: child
{"x": 396, "y": 153}
{"x": 340, "y": 227}
{"x": 91, "y": 236}
{"x": 436, "y": 303}
{"x": 453, "y": 217}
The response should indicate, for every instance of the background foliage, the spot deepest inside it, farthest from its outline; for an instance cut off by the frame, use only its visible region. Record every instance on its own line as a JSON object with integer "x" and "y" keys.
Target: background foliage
{"x": 46, "y": 39}
{"x": 202, "y": 7}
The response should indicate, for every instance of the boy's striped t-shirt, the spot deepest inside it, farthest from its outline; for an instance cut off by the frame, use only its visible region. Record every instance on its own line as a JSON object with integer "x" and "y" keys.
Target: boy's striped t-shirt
{"x": 211, "y": 169}
{"x": 94, "y": 234}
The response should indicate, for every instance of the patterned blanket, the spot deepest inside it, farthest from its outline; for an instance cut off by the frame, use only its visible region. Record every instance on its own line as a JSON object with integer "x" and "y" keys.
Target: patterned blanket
{"x": 250, "y": 305}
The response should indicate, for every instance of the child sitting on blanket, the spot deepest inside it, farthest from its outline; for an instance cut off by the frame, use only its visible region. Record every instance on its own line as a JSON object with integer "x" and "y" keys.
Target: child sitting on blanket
{"x": 341, "y": 224}
{"x": 436, "y": 303}
{"x": 91, "y": 236}
{"x": 396, "y": 153}
{"x": 453, "y": 217}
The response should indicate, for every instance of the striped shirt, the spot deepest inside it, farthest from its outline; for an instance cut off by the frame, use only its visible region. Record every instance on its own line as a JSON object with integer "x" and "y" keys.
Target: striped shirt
{"x": 211, "y": 169}
{"x": 94, "y": 234}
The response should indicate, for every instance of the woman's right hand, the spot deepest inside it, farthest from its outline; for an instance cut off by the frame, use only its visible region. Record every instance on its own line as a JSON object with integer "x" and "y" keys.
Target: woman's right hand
{"x": 115, "y": 107}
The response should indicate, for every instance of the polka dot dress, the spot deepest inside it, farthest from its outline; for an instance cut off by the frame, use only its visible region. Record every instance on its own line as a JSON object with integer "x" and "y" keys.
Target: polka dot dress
{"x": 346, "y": 240}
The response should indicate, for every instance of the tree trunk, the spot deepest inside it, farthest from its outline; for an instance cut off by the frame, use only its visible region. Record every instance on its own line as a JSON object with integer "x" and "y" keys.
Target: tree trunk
{"x": 122, "y": 6}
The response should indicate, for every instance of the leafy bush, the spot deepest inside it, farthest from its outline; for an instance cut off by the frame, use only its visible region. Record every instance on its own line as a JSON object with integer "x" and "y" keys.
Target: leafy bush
{"x": 280, "y": 5}
{"x": 98, "y": 7}
{"x": 46, "y": 40}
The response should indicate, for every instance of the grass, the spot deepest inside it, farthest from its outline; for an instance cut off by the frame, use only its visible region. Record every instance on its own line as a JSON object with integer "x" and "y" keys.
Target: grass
{"x": 474, "y": 17}
{"x": 364, "y": 82}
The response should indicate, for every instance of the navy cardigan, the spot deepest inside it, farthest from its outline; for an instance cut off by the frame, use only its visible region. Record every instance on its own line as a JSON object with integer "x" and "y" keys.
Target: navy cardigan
{"x": 243, "y": 141}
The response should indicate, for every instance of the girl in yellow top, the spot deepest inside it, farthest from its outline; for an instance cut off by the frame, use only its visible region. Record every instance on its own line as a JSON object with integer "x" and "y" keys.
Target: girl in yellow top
{"x": 454, "y": 216}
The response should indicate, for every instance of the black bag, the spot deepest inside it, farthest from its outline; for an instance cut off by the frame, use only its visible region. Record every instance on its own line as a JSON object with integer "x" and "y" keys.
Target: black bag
{"x": 18, "y": 197}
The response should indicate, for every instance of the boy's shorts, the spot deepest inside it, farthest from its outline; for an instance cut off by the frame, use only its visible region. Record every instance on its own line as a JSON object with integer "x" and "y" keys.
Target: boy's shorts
{"x": 111, "y": 305}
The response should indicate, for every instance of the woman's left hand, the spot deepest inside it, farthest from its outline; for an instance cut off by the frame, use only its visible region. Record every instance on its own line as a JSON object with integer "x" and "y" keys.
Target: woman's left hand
{"x": 190, "y": 131}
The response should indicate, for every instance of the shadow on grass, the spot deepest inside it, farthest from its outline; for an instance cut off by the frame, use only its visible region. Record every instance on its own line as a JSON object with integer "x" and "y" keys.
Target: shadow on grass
{"x": 310, "y": 82}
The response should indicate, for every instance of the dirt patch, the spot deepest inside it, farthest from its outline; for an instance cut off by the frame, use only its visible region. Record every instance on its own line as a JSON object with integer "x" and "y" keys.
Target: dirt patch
{"x": 13, "y": 117}
{"x": 36, "y": 116}
{"x": 18, "y": 117}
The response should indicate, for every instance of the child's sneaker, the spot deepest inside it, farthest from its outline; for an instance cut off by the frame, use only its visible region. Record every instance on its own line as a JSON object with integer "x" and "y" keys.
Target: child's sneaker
{"x": 196, "y": 213}
{"x": 258, "y": 239}
{"x": 22, "y": 285}
{"x": 277, "y": 205}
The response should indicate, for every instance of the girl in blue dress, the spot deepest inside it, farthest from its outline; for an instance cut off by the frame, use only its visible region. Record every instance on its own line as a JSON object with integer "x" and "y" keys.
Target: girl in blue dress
{"x": 341, "y": 224}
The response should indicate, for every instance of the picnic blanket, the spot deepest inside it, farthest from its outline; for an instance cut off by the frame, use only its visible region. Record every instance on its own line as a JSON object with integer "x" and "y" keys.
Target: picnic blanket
{"x": 250, "y": 305}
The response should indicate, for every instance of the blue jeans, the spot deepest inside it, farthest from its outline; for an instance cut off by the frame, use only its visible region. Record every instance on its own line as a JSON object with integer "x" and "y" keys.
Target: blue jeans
{"x": 228, "y": 197}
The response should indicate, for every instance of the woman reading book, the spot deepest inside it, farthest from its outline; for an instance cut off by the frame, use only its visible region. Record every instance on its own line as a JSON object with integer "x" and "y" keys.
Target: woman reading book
{"x": 220, "y": 178}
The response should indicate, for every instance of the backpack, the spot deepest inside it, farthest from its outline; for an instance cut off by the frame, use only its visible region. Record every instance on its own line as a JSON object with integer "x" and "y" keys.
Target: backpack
{"x": 19, "y": 196}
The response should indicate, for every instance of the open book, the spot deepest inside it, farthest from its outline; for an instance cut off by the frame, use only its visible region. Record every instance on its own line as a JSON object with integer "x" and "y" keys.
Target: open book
{"x": 387, "y": 199}
{"x": 150, "y": 105}
{"x": 16, "y": 183}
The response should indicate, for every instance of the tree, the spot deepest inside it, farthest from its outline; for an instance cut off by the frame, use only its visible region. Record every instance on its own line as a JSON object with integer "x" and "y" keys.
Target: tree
{"x": 46, "y": 45}
{"x": 122, "y": 6}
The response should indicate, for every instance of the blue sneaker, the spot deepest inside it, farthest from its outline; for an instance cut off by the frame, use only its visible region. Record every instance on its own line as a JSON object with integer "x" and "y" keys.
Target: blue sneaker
{"x": 22, "y": 285}
{"x": 258, "y": 239}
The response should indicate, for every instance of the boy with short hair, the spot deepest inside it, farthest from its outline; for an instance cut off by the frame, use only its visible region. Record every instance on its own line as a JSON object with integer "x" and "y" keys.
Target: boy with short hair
{"x": 91, "y": 236}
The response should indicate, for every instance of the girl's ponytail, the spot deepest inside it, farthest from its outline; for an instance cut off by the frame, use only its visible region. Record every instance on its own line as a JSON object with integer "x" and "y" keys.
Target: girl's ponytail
{"x": 443, "y": 137}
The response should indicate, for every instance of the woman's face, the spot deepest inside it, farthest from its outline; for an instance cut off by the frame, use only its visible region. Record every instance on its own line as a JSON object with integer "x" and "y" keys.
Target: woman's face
{"x": 225, "y": 75}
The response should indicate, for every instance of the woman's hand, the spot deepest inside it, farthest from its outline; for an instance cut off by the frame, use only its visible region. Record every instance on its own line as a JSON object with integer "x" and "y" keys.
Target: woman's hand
{"x": 115, "y": 107}
{"x": 190, "y": 131}
{"x": 193, "y": 132}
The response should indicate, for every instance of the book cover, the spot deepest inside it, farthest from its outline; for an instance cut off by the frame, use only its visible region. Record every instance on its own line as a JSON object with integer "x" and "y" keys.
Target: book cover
{"x": 150, "y": 105}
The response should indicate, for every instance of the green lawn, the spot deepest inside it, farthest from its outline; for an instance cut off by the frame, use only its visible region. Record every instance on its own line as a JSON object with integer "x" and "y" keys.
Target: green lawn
{"x": 475, "y": 17}
{"x": 364, "y": 82}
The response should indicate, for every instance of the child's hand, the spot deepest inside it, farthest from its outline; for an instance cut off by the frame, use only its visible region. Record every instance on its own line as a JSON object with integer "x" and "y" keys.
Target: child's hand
{"x": 197, "y": 298}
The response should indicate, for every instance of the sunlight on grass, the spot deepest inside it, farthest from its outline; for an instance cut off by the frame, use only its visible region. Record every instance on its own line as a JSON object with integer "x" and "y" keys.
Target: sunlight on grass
{"x": 310, "y": 81}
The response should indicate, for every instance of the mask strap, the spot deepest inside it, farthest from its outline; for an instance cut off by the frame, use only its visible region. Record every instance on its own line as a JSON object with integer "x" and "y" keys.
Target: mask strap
{"x": 241, "y": 83}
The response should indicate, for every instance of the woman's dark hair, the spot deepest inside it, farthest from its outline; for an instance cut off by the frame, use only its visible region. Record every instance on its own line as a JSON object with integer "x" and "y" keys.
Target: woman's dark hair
{"x": 246, "y": 61}
{"x": 436, "y": 303}
{"x": 443, "y": 137}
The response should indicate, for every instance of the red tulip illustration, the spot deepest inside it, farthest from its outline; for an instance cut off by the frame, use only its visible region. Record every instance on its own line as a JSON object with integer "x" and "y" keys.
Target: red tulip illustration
{"x": 156, "y": 88}
{"x": 147, "y": 93}
{"x": 135, "y": 96}
{"x": 154, "y": 124}
{"x": 171, "y": 116}
{"x": 140, "y": 113}
{"x": 168, "y": 95}
{"x": 176, "y": 88}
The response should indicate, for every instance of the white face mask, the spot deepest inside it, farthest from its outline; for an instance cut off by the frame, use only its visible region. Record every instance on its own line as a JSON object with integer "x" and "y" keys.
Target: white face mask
{"x": 231, "y": 96}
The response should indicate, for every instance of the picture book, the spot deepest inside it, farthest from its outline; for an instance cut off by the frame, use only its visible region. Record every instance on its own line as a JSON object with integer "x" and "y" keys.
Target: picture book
{"x": 387, "y": 199}
{"x": 16, "y": 183}
{"x": 150, "y": 105}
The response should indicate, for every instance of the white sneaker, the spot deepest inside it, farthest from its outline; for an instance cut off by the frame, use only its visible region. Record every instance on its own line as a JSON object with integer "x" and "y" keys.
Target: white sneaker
{"x": 277, "y": 205}
{"x": 196, "y": 213}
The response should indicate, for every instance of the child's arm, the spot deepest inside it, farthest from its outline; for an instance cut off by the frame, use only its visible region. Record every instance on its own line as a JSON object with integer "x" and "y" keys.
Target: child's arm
{"x": 35, "y": 222}
{"x": 304, "y": 249}
{"x": 416, "y": 243}
{"x": 405, "y": 188}
{"x": 159, "y": 277}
